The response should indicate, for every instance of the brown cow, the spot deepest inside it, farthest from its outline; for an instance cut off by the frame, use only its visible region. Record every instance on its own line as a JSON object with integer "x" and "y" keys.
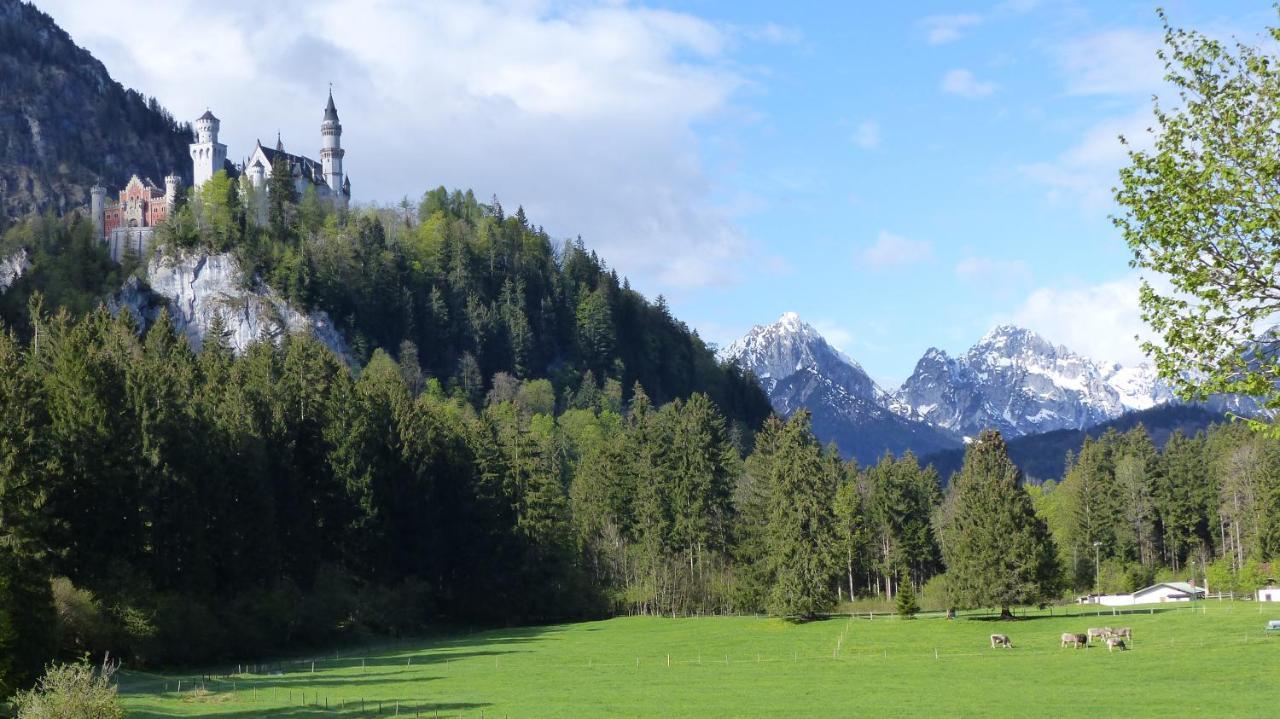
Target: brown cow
{"x": 1115, "y": 643}
{"x": 1001, "y": 640}
{"x": 1075, "y": 641}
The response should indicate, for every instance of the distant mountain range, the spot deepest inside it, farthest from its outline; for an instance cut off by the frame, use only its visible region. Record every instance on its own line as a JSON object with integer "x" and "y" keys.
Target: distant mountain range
{"x": 1012, "y": 380}
{"x": 798, "y": 368}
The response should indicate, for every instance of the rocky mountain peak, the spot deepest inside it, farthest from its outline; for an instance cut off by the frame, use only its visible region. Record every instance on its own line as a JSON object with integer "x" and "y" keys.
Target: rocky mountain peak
{"x": 775, "y": 352}
{"x": 799, "y": 369}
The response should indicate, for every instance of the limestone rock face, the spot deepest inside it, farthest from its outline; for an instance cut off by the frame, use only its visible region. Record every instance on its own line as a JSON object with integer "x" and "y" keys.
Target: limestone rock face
{"x": 196, "y": 288}
{"x": 13, "y": 267}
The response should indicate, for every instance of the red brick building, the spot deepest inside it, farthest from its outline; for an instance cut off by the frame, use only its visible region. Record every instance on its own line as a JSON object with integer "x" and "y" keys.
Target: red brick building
{"x": 128, "y": 223}
{"x": 141, "y": 204}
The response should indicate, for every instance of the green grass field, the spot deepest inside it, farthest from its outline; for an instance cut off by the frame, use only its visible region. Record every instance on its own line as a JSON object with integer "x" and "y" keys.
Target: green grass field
{"x": 1212, "y": 661}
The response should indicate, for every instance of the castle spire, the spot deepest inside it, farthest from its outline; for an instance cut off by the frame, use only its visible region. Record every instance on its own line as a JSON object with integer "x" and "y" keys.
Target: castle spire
{"x": 330, "y": 111}
{"x": 279, "y": 142}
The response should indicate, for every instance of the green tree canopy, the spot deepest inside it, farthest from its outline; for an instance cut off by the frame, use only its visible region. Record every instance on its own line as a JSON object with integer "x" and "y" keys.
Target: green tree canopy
{"x": 1201, "y": 210}
{"x": 997, "y": 550}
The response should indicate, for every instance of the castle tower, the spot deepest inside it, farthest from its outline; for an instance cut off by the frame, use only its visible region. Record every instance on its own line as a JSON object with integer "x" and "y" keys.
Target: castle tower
{"x": 331, "y": 151}
{"x": 172, "y": 183}
{"x": 207, "y": 154}
{"x": 97, "y": 208}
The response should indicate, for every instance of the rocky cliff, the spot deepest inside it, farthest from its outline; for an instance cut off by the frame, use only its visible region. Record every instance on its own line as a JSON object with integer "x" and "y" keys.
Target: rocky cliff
{"x": 13, "y": 267}
{"x": 198, "y": 288}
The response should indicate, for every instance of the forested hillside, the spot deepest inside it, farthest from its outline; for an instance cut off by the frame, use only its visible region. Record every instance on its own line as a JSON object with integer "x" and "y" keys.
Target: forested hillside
{"x": 1204, "y": 507}
{"x": 64, "y": 123}
{"x": 1046, "y": 455}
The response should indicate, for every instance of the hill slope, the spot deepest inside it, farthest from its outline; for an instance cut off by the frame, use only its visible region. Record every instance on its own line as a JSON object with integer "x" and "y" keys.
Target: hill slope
{"x": 1043, "y": 456}
{"x": 64, "y": 123}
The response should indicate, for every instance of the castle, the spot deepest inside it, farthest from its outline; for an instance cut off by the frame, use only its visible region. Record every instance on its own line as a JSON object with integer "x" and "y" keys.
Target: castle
{"x": 128, "y": 223}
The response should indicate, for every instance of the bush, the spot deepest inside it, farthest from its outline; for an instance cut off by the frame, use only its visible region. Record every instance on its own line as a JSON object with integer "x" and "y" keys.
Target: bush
{"x": 27, "y": 621}
{"x": 83, "y": 628}
{"x": 71, "y": 691}
{"x": 934, "y": 595}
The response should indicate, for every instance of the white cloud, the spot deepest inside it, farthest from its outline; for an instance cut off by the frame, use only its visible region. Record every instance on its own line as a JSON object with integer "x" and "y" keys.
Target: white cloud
{"x": 1085, "y": 173}
{"x": 998, "y": 276}
{"x": 835, "y": 334}
{"x": 891, "y": 250}
{"x": 963, "y": 83}
{"x": 1115, "y": 62}
{"x": 773, "y": 34}
{"x": 867, "y": 135}
{"x": 583, "y": 113}
{"x": 1099, "y": 321}
{"x": 940, "y": 29}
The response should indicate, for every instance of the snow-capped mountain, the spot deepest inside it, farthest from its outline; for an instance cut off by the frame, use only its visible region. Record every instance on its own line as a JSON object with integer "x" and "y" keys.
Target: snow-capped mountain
{"x": 1012, "y": 380}
{"x": 1018, "y": 382}
{"x": 777, "y": 351}
{"x": 1140, "y": 387}
{"x": 799, "y": 369}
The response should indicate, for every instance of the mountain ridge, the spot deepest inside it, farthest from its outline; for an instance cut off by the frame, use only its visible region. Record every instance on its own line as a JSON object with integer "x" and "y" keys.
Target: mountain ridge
{"x": 1012, "y": 379}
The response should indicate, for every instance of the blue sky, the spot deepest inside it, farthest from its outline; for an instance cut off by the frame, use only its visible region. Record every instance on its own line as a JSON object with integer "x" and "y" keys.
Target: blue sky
{"x": 902, "y": 175}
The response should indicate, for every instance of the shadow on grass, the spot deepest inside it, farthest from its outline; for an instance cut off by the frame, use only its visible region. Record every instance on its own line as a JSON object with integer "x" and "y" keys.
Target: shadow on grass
{"x": 404, "y": 665}
{"x": 406, "y": 709}
{"x": 996, "y": 617}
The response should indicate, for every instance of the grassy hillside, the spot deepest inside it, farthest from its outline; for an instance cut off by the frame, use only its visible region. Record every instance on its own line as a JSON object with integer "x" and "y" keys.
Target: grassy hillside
{"x": 1217, "y": 663}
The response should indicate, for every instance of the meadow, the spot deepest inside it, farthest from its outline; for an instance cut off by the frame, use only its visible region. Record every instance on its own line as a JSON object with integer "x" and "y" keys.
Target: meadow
{"x": 1212, "y": 659}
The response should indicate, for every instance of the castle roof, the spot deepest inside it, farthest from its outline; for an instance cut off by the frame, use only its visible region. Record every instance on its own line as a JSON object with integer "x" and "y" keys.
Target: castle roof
{"x": 298, "y": 165}
{"x": 330, "y": 112}
{"x": 207, "y": 116}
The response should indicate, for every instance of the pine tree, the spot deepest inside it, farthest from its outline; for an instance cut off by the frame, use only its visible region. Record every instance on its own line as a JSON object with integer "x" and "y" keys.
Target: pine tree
{"x": 998, "y": 552}
{"x": 801, "y": 536}
{"x": 905, "y": 603}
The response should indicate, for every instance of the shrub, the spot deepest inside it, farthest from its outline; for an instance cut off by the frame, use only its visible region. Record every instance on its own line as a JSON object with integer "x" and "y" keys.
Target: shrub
{"x": 82, "y": 626}
{"x": 27, "y": 621}
{"x": 934, "y": 595}
{"x": 71, "y": 691}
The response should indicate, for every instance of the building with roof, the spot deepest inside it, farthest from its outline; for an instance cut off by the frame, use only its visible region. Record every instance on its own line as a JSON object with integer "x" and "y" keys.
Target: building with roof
{"x": 127, "y": 223}
{"x": 324, "y": 176}
{"x": 1154, "y": 594}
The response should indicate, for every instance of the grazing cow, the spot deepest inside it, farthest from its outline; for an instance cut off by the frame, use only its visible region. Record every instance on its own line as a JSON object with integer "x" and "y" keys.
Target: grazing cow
{"x": 1001, "y": 640}
{"x": 1098, "y": 633}
{"x": 1075, "y": 641}
{"x": 1115, "y": 643}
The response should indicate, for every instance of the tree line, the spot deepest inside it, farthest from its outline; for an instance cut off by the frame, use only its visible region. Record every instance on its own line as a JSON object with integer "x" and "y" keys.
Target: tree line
{"x": 1205, "y": 507}
{"x": 495, "y": 454}
{"x": 191, "y": 506}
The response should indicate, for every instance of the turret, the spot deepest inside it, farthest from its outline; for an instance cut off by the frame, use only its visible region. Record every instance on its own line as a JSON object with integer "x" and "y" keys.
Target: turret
{"x": 207, "y": 154}
{"x": 257, "y": 174}
{"x": 172, "y": 183}
{"x": 331, "y": 151}
{"x": 97, "y": 208}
